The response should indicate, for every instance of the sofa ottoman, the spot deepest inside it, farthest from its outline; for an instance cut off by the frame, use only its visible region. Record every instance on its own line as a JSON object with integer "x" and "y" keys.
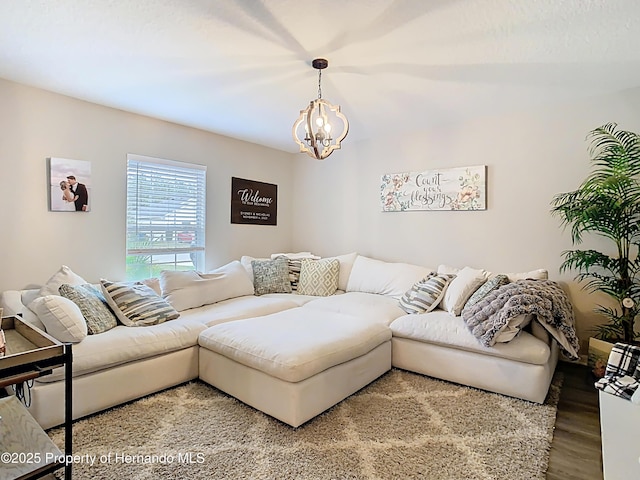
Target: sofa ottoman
{"x": 295, "y": 364}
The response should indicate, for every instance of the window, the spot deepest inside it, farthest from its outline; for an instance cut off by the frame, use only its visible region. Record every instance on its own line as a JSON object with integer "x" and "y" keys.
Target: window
{"x": 165, "y": 216}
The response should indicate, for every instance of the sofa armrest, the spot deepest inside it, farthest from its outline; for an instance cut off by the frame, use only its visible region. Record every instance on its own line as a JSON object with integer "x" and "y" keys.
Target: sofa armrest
{"x": 11, "y": 303}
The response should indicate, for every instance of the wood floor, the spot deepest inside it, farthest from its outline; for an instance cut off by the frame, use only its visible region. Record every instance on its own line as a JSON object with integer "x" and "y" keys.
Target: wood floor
{"x": 576, "y": 450}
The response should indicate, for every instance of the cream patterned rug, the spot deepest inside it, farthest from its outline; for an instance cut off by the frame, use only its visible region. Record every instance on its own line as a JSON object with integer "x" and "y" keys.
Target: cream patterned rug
{"x": 402, "y": 426}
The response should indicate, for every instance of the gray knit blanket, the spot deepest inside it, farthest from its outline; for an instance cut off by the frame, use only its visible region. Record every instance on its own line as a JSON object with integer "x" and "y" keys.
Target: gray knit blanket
{"x": 542, "y": 298}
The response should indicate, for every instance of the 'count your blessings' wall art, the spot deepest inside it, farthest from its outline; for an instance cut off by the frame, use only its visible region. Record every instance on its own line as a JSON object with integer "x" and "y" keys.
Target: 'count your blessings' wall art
{"x": 462, "y": 188}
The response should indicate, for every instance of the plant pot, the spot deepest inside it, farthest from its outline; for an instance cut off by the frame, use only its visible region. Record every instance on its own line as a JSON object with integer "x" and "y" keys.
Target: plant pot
{"x": 599, "y": 351}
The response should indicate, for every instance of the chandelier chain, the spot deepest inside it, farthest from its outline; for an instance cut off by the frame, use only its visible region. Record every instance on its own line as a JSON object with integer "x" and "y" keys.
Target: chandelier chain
{"x": 319, "y": 84}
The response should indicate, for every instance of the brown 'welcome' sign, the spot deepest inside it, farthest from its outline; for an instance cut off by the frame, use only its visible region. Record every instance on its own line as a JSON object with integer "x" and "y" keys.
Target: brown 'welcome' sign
{"x": 253, "y": 202}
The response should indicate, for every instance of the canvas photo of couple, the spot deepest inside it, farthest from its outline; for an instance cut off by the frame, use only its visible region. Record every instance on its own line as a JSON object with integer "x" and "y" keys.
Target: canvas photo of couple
{"x": 69, "y": 185}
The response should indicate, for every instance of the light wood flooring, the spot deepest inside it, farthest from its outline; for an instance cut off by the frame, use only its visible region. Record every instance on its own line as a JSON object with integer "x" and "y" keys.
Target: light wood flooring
{"x": 576, "y": 452}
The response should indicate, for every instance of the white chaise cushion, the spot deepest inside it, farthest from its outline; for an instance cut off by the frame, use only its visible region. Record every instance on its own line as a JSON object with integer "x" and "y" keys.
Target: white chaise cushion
{"x": 61, "y": 317}
{"x": 372, "y": 307}
{"x": 124, "y": 344}
{"x": 442, "y": 328}
{"x": 184, "y": 290}
{"x": 295, "y": 344}
{"x": 369, "y": 275}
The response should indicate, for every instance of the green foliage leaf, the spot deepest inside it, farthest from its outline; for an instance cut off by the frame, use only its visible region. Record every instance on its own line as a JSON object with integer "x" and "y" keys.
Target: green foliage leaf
{"x": 607, "y": 203}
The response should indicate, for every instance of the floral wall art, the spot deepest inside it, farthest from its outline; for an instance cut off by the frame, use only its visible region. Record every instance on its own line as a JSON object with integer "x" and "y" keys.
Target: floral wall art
{"x": 462, "y": 188}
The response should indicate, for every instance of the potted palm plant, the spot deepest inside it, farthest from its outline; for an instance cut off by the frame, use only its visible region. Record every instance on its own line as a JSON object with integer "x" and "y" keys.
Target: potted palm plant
{"x": 607, "y": 204}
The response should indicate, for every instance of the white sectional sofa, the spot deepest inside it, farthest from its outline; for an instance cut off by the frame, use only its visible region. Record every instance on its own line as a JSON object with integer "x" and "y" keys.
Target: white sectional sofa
{"x": 291, "y": 355}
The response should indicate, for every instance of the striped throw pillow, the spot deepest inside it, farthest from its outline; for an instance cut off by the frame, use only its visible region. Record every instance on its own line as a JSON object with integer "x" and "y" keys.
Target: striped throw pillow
{"x": 136, "y": 304}
{"x": 425, "y": 295}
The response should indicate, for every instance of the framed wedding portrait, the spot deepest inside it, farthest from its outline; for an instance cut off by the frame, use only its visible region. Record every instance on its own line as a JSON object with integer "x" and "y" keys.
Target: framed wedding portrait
{"x": 69, "y": 185}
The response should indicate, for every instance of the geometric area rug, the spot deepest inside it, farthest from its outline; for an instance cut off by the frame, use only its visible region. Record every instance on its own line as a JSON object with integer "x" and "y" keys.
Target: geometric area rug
{"x": 402, "y": 426}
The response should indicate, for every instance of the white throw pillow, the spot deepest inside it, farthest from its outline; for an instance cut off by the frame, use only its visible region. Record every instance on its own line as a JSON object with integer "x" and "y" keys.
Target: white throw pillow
{"x": 346, "y": 265}
{"x": 193, "y": 289}
{"x": 467, "y": 281}
{"x": 61, "y": 317}
{"x": 384, "y": 278}
{"x": 63, "y": 276}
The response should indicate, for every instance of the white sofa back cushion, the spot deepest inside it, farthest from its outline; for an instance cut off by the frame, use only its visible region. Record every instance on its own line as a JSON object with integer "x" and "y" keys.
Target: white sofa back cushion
{"x": 346, "y": 265}
{"x": 61, "y": 317}
{"x": 191, "y": 289}
{"x": 369, "y": 275}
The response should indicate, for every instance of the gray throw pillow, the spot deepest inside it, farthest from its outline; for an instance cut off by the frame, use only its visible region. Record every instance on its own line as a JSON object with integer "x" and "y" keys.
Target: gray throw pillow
{"x": 271, "y": 276}
{"x": 93, "y": 306}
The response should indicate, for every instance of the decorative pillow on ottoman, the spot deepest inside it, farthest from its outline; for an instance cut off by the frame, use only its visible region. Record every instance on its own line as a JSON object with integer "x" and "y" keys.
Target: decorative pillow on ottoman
{"x": 93, "y": 306}
{"x": 137, "y": 305}
{"x": 319, "y": 277}
{"x": 271, "y": 276}
{"x": 425, "y": 295}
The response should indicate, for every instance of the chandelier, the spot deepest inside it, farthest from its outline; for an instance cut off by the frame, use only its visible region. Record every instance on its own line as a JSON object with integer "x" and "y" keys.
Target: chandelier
{"x": 321, "y": 126}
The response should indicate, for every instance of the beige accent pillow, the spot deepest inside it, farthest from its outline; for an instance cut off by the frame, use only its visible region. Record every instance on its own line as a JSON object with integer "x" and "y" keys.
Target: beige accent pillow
{"x": 467, "y": 281}
{"x": 61, "y": 317}
{"x": 191, "y": 289}
{"x": 63, "y": 276}
{"x": 319, "y": 277}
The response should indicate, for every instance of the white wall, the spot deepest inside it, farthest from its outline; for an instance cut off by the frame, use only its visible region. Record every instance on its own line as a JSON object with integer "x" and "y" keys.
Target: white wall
{"x": 328, "y": 207}
{"x": 530, "y": 156}
{"x": 35, "y": 125}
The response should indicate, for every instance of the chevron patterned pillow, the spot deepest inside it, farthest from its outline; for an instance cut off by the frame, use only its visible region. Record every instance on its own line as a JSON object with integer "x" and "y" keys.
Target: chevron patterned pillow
{"x": 319, "y": 277}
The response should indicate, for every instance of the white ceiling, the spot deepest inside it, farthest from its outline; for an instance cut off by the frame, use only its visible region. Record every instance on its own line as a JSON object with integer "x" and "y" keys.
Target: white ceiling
{"x": 242, "y": 68}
